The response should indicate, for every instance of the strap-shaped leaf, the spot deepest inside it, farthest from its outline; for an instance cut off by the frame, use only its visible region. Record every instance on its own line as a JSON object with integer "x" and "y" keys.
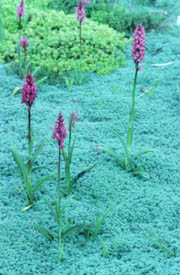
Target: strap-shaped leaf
{"x": 41, "y": 181}
{"x": 38, "y": 168}
{"x": 101, "y": 220}
{"x": 86, "y": 227}
{"x": 143, "y": 152}
{"x": 64, "y": 155}
{"x": 120, "y": 139}
{"x": 71, "y": 151}
{"x": 20, "y": 163}
{"x": 41, "y": 80}
{"x": 53, "y": 212}
{"x": 140, "y": 172}
{"x": 44, "y": 231}
{"x": 38, "y": 150}
{"x": 159, "y": 242}
{"x": 82, "y": 173}
{"x": 113, "y": 154}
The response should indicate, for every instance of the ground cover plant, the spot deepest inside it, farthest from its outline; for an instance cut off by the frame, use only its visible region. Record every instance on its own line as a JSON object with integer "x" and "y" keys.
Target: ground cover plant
{"x": 111, "y": 221}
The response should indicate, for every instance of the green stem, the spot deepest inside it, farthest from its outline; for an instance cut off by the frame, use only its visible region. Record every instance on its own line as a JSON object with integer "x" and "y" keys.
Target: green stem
{"x": 80, "y": 37}
{"x": 29, "y": 137}
{"x": 68, "y": 161}
{"x": 68, "y": 183}
{"x": 131, "y": 120}
{"x": 29, "y": 186}
{"x": 20, "y": 24}
{"x": 59, "y": 207}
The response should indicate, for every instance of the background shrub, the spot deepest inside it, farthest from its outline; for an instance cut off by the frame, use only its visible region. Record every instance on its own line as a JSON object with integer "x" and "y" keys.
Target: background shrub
{"x": 120, "y": 18}
{"x": 54, "y": 42}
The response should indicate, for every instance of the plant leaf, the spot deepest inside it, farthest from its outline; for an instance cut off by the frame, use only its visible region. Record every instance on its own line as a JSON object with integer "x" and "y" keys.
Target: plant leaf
{"x": 41, "y": 181}
{"x": 53, "y": 213}
{"x": 82, "y": 173}
{"x": 64, "y": 155}
{"x": 38, "y": 82}
{"x": 20, "y": 163}
{"x": 44, "y": 231}
{"x": 71, "y": 151}
{"x": 77, "y": 228}
{"x": 113, "y": 154}
{"x": 143, "y": 152}
{"x": 38, "y": 150}
{"x": 120, "y": 139}
{"x": 38, "y": 168}
{"x": 100, "y": 222}
{"x": 139, "y": 171}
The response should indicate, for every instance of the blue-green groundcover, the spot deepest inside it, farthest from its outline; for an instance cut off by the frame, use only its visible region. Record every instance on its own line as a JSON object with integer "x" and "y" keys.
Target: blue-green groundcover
{"x": 125, "y": 245}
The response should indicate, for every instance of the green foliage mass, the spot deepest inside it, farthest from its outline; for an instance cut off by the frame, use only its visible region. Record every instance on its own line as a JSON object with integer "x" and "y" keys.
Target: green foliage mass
{"x": 115, "y": 15}
{"x": 124, "y": 20}
{"x": 54, "y": 41}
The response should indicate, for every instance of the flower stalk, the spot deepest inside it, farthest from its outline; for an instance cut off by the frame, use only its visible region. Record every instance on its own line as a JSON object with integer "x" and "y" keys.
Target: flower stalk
{"x": 59, "y": 134}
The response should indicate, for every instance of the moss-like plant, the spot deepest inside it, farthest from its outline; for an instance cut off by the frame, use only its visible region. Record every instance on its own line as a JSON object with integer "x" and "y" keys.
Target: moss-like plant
{"x": 54, "y": 40}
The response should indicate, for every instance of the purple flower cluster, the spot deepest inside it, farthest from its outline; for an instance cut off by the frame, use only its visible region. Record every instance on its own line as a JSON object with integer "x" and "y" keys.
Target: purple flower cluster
{"x": 80, "y": 12}
{"x": 20, "y": 10}
{"x": 24, "y": 43}
{"x": 29, "y": 91}
{"x": 138, "y": 48}
{"x": 59, "y": 132}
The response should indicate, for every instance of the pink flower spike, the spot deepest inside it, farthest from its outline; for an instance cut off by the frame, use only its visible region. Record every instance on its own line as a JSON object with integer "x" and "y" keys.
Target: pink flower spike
{"x": 24, "y": 43}
{"x": 138, "y": 47}
{"x": 59, "y": 132}
{"x": 29, "y": 91}
{"x": 20, "y": 10}
{"x": 80, "y": 12}
{"x": 86, "y": 2}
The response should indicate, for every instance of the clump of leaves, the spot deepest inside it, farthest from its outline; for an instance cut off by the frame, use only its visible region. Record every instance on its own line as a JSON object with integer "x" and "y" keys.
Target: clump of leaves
{"x": 54, "y": 40}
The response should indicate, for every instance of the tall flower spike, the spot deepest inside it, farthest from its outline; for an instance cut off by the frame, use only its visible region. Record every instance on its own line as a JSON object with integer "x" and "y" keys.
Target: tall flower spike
{"x": 80, "y": 12}
{"x": 138, "y": 47}
{"x": 59, "y": 132}
{"x": 20, "y": 10}
{"x": 24, "y": 43}
{"x": 29, "y": 91}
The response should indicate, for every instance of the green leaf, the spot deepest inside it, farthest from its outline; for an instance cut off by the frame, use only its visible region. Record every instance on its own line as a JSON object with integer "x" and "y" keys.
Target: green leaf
{"x": 159, "y": 242}
{"x": 38, "y": 82}
{"x": 71, "y": 151}
{"x": 17, "y": 91}
{"x": 120, "y": 139}
{"x": 142, "y": 152}
{"x": 77, "y": 228}
{"x": 38, "y": 168}
{"x": 37, "y": 151}
{"x": 41, "y": 181}
{"x": 44, "y": 231}
{"x": 100, "y": 222}
{"x": 140, "y": 172}
{"x": 67, "y": 202}
{"x": 53, "y": 212}
{"x": 20, "y": 163}
{"x": 113, "y": 154}
{"x": 64, "y": 155}
{"x": 82, "y": 173}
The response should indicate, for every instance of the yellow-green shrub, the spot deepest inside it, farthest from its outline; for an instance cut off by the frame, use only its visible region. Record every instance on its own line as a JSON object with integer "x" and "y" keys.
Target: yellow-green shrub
{"x": 54, "y": 41}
